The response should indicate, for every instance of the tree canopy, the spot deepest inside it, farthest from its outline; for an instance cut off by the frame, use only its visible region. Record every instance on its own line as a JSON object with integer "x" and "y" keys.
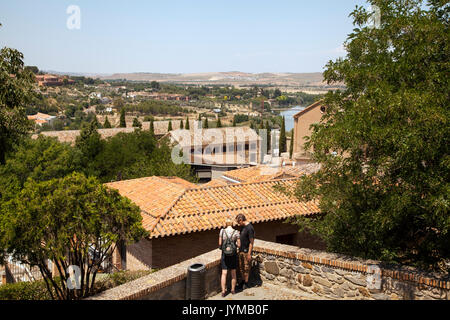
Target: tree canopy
{"x": 71, "y": 221}
{"x": 16, "y": 91}
{"x": 383, "y": 141}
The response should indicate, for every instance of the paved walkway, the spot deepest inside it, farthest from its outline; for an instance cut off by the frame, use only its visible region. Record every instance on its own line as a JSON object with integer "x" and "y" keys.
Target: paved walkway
{"x": 267, "y": 291}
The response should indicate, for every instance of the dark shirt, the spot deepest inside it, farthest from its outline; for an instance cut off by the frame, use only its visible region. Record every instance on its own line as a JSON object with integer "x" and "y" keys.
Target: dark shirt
{"x": 247, "y": 233}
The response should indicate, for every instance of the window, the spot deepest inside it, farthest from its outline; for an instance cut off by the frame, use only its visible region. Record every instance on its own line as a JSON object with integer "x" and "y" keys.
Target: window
{"x": 322, "y": 109}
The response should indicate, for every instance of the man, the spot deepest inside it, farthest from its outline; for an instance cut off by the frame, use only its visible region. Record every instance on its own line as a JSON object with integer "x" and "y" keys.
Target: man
{"x": 247, "y": 237}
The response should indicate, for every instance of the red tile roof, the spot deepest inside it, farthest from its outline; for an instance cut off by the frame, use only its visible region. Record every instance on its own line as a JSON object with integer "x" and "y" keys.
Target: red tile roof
{"x": 170, "y": 209}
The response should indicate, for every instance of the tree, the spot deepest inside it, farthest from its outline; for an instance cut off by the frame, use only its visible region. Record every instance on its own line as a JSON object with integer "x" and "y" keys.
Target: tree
{"x": 291, "y": 146}
{"x": 383, "y": 141}
{"x": 39, "y": 159}
{"x": 170, "y": 126}
{"x": 122, "y": 123}
{"x": 219, "y": 123}
{"x": 283, "y": 142}
{"x": 277, "y": 93}
{"x": 107, "y": 124}
{"x": 137, "y": 123}
{"x": 71, "y": 221}
{"x": 152, "y": 127}
{"x": 187, "y": 124}
{"x": 181, "y": 124}
{"x": 205, "y": 123}
{"x": 269, "y": 135}
{"x": 234, "y": 121}
{"x": 16, "y": 85}
{"x": 118, "y": 103}
{"x": 90, "y": 143}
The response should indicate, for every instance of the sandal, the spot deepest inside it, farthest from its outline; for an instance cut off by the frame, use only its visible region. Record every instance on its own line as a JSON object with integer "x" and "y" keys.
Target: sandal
{"x": 224, "y": 294}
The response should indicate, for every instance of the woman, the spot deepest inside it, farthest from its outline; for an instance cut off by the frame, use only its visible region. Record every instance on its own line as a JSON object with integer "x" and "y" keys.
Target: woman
{"x": 229, "y": 262}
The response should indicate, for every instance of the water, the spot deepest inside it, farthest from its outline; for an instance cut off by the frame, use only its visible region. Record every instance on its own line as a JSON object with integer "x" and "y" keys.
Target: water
{"x": 289, "y": 116}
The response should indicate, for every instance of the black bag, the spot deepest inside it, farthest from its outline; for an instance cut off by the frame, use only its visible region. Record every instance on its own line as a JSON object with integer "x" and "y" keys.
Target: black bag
{"x": 229, "y": 247}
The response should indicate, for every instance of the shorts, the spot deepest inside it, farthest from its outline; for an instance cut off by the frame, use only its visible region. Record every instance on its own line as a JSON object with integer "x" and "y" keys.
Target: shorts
{"x": 244, "y": 264}
{"x": 228, "y": 262}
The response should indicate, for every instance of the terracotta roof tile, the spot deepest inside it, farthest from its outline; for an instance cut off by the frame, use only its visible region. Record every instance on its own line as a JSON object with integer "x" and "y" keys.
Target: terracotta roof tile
{"x": 171, "y": 207}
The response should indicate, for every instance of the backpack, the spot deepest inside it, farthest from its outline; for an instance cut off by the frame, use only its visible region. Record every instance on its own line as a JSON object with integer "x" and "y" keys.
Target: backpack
{"x": 229, "y": 246}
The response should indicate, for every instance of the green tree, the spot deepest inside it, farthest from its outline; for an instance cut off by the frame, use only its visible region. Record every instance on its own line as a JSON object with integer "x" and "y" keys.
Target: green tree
{"x": 16, "y": 86}
{"x": 170, "y": 126}
{"x": 122, "y": 123}
{"x": 39, "y": 159}
{"x": 107, "y": 124}
{"x": 187, "y": 124}
{"x": 137, "y": 123}
{"x": 269, "y": 135}
{"x": 152, "y": 127}
{"x": 181, "y": 124}
{"x": 383, "y": 141}
{"x": 283, "y": 142}
{"x": 219, "y": 123}
{"x": 64, "y": 220}
{"x": 90, "y": 144}
{"x": 205, "y": 123}
{"x": 291, "y": 145}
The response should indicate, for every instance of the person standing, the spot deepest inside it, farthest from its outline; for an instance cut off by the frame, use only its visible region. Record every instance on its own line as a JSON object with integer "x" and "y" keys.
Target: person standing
{"x": 229, "y": 244}
{"x": 247, "y": 238}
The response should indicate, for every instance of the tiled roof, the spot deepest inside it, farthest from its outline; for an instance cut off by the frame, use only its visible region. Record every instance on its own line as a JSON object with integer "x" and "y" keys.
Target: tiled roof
{"x": 264, "y": 173}
{"x": 71, "y": 135}
{"x": 202, "y": 137}
{"x": 215, "y": 183}
{"x": 154, "y": 195}
{"x": 171, "y": 209}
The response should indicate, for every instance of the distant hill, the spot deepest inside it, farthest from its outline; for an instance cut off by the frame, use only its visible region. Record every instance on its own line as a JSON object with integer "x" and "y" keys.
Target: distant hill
{"x": 233, "y": 77}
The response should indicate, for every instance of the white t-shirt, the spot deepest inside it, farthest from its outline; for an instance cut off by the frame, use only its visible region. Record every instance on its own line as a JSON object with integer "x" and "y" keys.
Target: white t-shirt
{"x": 232, "y": 234}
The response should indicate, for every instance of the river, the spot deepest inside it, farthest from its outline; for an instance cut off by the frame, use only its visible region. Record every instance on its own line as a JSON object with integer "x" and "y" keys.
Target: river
{"x": 289, "y": 116}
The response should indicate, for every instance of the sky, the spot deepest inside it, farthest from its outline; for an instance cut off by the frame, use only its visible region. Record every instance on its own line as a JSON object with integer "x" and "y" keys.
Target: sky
{"x": 177, "y": 36}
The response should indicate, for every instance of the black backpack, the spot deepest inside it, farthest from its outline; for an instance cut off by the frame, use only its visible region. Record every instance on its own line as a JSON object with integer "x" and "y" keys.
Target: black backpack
{"x": 229, "y": 246}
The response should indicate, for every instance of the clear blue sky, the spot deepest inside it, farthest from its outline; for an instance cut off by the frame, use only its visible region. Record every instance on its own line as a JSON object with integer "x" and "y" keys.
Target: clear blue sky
{"x": 178, "y": 36}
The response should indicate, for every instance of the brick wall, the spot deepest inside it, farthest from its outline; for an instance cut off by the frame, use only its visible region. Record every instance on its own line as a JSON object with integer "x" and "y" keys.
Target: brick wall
{"x": 163, "y": 252}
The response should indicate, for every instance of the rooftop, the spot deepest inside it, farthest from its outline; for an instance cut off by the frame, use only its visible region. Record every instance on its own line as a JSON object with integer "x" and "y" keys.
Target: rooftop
{"x": 171, "y": 207}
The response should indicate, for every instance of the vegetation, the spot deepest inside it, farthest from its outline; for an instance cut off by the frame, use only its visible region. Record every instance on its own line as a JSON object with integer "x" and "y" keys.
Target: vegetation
{"x": 71, "y": 221}
{"x": 383, "y": 142}
{"x": 283, "y": 142}
{"x": 122, "y": 123}
{"x": 16, "y": 85}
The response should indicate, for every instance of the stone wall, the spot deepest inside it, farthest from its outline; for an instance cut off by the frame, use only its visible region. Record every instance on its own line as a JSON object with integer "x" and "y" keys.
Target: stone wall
{"x": 163, "y": 252}
{"x": 333, "y": 276}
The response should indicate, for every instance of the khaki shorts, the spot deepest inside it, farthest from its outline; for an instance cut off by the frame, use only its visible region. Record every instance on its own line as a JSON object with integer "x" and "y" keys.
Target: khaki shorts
{"x": 244, "y": 264}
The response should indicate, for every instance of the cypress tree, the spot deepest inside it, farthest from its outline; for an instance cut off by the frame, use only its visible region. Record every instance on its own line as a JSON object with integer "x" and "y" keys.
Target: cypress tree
{"x": 137, "y": 123}
{"x": 181, "y": 124}
{"x": 152, "y": 127}
{"x": 107, "y": 124}
{"x": 219, "y": 123}
{"x": 122, "y": 123}
{"x": 234, "y": 121}
{"x": 269, "y": 136}
{"x": 187, "y": 123}
{"x": 170, "y": 126}
{"x": 205, "y": 124}
{"x": 291, "y": 146}
{"x": 283, "y": 138}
